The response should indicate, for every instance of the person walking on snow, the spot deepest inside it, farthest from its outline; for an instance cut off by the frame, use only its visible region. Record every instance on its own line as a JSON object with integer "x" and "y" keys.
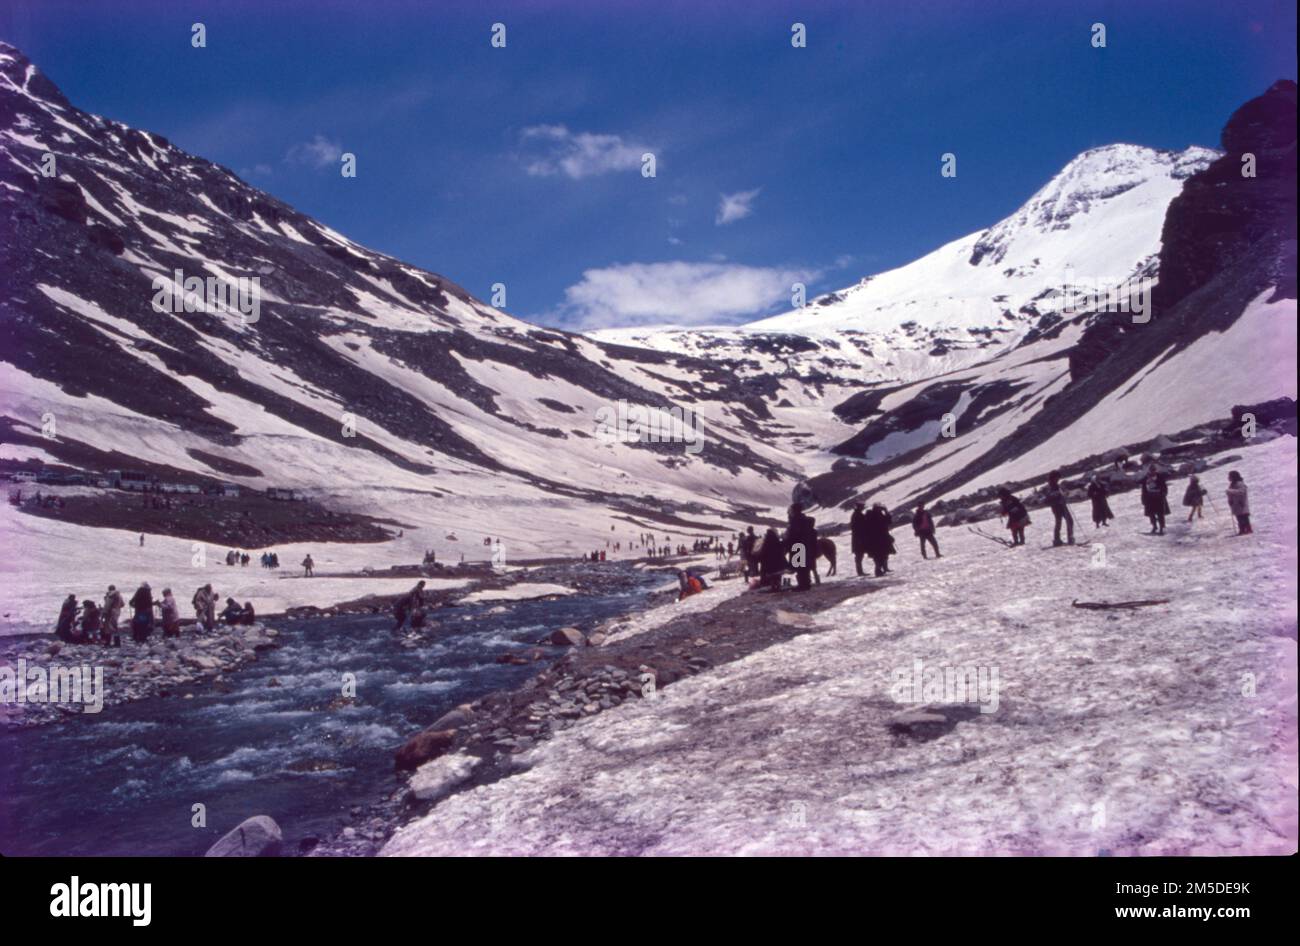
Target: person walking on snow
{"x": 1155, "y": 499}
{"x": 923, "y": 527}
{"x": 1056, "y": 501}
{"x": 1194, "y": 498}
{"x": 1016, "y": 514}
{"x": 746, "y": 545}
{"x": 801, "y": 545}
{"x": 1238, "y": 503}
{"x": 880, "y": 544}
{"x": 307, "y": 566}
{"x": 771, "y": 561}
{"x": 858, "y": 536}
{"x": 1101, "y": 514}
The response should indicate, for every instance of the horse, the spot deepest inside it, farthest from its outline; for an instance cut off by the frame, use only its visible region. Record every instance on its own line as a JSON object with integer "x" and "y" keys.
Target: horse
{"x": 825, "y": 549}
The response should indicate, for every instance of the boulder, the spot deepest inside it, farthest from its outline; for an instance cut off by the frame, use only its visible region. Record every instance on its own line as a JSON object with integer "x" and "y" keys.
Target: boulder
{"x": 568, "y": 637}
{"x": 457, "y": 718}
{"x": 423, "y": 747}
{"x": 596, "y": 640}
{"x": 435, "y": 780}
{"x": 259, "y": 836}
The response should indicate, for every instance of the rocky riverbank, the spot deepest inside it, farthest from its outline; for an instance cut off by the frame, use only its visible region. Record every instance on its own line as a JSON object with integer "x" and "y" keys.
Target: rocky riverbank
{"x": 170, "y": 667}
{"x": 625, "y": 659}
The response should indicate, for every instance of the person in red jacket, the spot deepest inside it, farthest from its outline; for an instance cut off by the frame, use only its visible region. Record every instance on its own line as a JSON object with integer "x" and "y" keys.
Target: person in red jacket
{"x": 923, "y": 526}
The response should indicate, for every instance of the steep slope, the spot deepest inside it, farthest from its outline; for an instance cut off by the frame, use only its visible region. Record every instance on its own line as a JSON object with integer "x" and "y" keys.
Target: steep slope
{"x": 356, "y": 373}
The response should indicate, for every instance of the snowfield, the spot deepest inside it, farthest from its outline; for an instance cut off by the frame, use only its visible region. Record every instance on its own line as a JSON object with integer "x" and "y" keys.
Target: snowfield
{"x": 1167, "y": 730}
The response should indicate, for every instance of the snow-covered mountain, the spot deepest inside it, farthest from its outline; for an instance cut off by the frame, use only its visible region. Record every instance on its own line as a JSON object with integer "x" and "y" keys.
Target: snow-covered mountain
{"x": 385, "y": 389}
{"x": 365, "y": 379}
{"x": 1096, "y": 223}
{"x": 1010, "y": 333}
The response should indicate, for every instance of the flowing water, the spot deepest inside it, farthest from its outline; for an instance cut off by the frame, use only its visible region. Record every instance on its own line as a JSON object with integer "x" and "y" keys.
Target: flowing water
{"x": 279, "y": 741}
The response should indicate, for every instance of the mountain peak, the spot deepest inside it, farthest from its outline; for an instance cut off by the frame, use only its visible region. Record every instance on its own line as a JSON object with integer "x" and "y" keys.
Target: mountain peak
{"x": 1091, "y": 179}
{"x": 18, "y": 74}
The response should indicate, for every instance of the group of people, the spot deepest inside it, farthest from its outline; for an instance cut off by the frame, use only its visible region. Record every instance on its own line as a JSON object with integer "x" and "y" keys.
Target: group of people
{"x": 92, "y": 623}
{"x": 1154, "y": 490}
{"x": 870, "y": 529}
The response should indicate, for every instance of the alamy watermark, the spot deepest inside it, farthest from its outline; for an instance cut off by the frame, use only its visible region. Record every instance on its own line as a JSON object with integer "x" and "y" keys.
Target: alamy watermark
{"x": 59, "y": 684}
{"x": 1130, "y": 296}
{"x": 967, "y": 684}
{"x": 180, "y": 293}
{"x": 638, "y": 423}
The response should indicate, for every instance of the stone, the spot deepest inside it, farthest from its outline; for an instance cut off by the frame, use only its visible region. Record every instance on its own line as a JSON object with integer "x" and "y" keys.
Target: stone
{"x": 457, "y": 718}
{"x": 567, "y": 637}
{"x": 435, "y": 780}
{"x": 424, "y": 747}
{"x": 258, "y": 836}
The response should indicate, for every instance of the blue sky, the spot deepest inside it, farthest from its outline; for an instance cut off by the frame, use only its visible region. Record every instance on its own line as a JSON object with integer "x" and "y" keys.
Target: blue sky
{"x": 522, "y": 165}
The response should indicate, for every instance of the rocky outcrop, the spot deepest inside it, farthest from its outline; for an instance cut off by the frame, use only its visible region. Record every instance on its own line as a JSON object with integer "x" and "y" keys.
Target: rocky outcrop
{"x": 1222, "y": 214}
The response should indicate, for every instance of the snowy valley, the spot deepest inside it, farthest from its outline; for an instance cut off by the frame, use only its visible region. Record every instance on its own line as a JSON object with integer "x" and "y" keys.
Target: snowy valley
{"x": 406, "y": 418}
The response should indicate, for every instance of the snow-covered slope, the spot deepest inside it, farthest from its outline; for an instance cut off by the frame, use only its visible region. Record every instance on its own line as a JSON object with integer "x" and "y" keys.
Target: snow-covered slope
{"x": 1167, "y": 730}
{"x": 385, "y": 389}
{"x": 369, "y": 382}
{"x": 1007, "y": 334}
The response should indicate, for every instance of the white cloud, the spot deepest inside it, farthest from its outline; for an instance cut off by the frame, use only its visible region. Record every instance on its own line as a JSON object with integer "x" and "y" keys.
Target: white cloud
{"x": 319, "y": 152}
{"x": 554, "y": 149}
{"x": 738, "y": 206}
{"x": 678, "y": 293}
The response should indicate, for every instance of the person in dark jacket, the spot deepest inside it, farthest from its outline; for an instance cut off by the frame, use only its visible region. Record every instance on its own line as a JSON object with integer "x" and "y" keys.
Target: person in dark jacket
{"x": 1194, "y": 498}
{"x": 89, "y": 621}
{"x": 63, "y": 630}
{"x": 142, "y": 616}
{"x": 801, "y": 545}
{"x": 858, "y": 534}
{"x": 1101, "y": 514}
{"x": 1057, "y": 502}
{"x": 1016, "y": 514}
{"x": 249, "y": 616}
{"x": 880, "y": 544}
{"x": 771, "y": 560}
{"x": 408, "y": 604}
{"x": 748, "y": 543}
{"x": 923, "y": 528}
{"x": 1155, "y": 499}
{"x": 232, "y": 612}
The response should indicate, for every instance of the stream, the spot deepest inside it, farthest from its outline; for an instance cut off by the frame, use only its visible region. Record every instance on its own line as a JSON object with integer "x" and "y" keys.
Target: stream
{"x": 275, "y": 739}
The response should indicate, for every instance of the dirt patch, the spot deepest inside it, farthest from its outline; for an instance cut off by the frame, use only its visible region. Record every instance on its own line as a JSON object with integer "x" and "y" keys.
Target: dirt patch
{"x": 244, "y": 522}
